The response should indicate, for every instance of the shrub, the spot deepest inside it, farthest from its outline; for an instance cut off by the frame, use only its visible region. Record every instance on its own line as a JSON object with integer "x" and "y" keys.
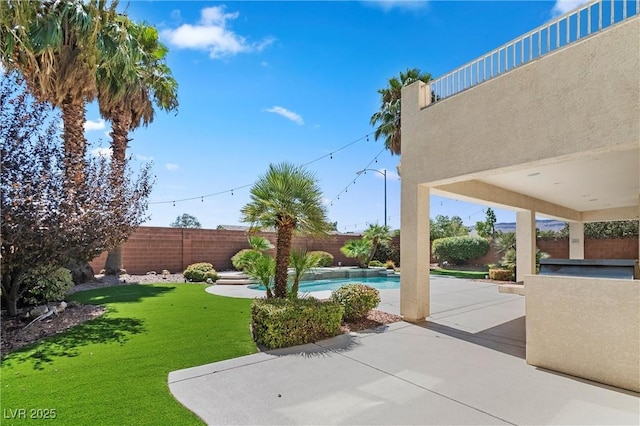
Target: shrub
{"x": 356, "y": 299}
{"x": 326, "y": 259}
{"x": 501, "y": 274}
{"x": 47, "y": 285}
{"x": 376, "y": 264}
{"x": 389, "y": 264}
{"x": 457, "y": 250}
{"x": 279, "y": 323}
{"x": 199, "y": 272}
{"x": 245, "y": 258}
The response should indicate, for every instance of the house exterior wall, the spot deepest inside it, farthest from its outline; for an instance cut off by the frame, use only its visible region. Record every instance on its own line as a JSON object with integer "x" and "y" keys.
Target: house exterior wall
{"x": 585, "y": 327}
{"x": 556, "y": 106}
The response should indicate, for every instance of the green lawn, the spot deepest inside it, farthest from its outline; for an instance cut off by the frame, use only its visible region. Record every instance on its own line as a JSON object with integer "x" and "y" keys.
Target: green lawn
{"x": 460, "y": 274}
{"x": 113, "y": 370}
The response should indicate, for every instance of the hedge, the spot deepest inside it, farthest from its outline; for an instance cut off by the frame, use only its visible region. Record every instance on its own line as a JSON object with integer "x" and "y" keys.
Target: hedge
{"x": 458, "y": 250}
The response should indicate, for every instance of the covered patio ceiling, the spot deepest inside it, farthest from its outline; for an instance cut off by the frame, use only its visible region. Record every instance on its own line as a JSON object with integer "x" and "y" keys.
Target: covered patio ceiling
{"x": 589, "y": 187}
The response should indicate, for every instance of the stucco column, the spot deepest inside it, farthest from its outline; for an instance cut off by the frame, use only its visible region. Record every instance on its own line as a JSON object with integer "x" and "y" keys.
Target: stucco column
{"x": 415, "y": 252}
{"x": 525, "y": 244}
{"x": 576, "y": 240}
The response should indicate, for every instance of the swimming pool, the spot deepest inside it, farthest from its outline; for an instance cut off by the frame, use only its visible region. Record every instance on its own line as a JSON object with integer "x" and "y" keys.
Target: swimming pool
{"x": 320, "y": 285}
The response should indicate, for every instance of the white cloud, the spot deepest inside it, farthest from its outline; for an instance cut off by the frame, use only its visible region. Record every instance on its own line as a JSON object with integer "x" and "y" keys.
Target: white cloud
{"x": 289, "y": 115}
{"x": 211, "y": 34}
{"x": 143, "y": 157}
{"x": 387, "y": 5}
{"x": 171, "y": 166}
{"x": 101, "y": 152}
{"x": 94, "y": 125}
{"x": 564, "y": 6}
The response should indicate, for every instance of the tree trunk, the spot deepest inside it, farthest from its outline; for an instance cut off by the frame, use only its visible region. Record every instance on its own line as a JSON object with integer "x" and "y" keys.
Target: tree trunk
{"x": 75, "y": 144}
{"x": 283, "y": 251}
{"x": 113, "y": 264}
{"x": 120, "y": 122}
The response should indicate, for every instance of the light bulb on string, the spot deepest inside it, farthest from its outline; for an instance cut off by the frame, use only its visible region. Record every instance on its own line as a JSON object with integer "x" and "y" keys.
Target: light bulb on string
{"x": 174, "y": 204}
{"x": 331, "y": 155}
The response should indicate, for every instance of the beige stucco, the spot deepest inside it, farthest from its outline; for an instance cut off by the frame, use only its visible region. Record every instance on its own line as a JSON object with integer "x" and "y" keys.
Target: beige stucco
{"x": 585, "y": 327}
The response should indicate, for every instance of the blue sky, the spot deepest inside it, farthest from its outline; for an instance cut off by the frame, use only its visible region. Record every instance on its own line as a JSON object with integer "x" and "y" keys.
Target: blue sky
{"x": 266, "y": 82}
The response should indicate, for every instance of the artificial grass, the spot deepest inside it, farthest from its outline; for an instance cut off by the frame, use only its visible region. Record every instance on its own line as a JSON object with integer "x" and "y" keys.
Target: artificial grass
{"x": 460, "y": 274}
{"x": 113, "y": 370}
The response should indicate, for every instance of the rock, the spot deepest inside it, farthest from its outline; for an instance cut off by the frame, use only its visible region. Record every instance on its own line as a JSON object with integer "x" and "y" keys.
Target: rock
{"x": 102, "y": 271}
{"x": 152, "y": 273}
{"x": 37, "y": 311}
{"x": 209, "y": 281}
{"x": 62, "y": 306}
{"x": 165, "y": 272}
{"x": 122, "y": 272}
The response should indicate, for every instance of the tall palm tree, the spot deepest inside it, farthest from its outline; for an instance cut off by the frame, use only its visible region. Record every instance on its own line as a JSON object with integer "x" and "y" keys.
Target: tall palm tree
{"x": 377, "y": 235}
{"x": 55, "y": 46}
{"x": 287, "y": 198}
{"x": 132, "y": 78}
{"x": 388, "y": 117}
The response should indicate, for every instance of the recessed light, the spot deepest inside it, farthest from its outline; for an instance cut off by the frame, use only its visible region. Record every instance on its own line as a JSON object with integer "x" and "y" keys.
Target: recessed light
{"x": 534, "y": 174}
{"x": 593, "y": 199}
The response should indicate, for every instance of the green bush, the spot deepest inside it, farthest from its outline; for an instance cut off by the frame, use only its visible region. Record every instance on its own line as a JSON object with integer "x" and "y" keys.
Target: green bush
{"x": 356, "y": 299}
{"x": 47, "y": 285}
{"x": 326, "y": 259}
{"x": 199, "y": 272}
{"x": 280, "y": 323}
{"x": 376, "y": 264}
{"x": 501, "y": 274}
{"x": 458, "y": 250}
{"x": 245, "y": 258}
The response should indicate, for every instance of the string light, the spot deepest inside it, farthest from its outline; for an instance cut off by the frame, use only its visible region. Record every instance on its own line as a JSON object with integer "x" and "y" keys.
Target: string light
{"x": 330, "y": 155}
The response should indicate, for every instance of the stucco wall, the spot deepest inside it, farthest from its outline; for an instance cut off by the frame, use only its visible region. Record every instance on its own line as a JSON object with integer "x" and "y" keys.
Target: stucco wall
{"x": 555, "y": 106}
{"x": 585, "y": 327}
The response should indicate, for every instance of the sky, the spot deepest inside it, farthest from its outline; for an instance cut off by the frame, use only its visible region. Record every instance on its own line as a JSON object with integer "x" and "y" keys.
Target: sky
{"x": 264, "y": 82}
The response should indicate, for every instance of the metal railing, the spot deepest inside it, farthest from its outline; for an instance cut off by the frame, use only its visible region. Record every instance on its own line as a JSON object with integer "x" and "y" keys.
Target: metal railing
{"x": 561, "y": 31}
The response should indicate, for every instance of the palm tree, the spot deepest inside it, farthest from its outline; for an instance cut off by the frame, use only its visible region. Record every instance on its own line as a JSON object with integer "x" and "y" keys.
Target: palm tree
{"x": 388, "y": 117}
{"x": 263, "y": 269}
{"x": 287, "y": 198}
{"x": 301, "y": 262}
{"x": 55, "y": 46}
{"x": 378, "y": 235}
{"x": 259, "y": 243}
{"x": 359, "y": 250}
{"x": 131, "y": 79}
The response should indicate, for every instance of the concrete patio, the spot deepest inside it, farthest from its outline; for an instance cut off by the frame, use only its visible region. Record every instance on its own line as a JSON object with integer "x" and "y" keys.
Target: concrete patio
{"x": 464, "y": 366}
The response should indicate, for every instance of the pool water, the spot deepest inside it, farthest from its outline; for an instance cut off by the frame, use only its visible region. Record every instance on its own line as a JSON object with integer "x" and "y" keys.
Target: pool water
{"x": 320, "y": 285}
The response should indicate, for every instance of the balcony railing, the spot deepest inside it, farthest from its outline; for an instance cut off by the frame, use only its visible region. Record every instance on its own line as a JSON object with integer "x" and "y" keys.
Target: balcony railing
{"x": 575, "y": 25}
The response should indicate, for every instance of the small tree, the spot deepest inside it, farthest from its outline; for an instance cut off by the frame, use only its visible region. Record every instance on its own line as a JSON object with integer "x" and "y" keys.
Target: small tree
{"x": 378, "y": 235}
{"x": 186, "y": 221}
{"x": 43, "y": 225}
{"x": 445, "y": 226}
{"x": 487, "y": 229}
{"x": 287, "y": 198}
{"x": 359, "y": 250}
{"x": 302, "y": 262}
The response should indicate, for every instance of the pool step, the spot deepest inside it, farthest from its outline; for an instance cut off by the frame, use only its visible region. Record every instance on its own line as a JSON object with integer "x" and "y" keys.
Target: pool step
{"x": 234, "y": 278}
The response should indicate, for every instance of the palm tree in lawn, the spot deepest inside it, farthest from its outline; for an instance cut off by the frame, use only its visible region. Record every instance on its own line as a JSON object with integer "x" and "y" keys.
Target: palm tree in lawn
{"x": 287, "y": 198}
{"x": 387, "y": 118}
{"x": 132, "y": 78}
{"x": 55, "y": 45}
{"x": 377, "y": 235}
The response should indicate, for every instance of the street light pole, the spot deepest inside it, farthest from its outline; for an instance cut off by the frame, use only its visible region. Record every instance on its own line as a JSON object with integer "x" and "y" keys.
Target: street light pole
{"x": 383, "y": 173}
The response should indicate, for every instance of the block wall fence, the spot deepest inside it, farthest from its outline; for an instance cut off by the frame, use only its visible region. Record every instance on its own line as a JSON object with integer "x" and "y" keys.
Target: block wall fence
{"x": 157, "y": 248}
